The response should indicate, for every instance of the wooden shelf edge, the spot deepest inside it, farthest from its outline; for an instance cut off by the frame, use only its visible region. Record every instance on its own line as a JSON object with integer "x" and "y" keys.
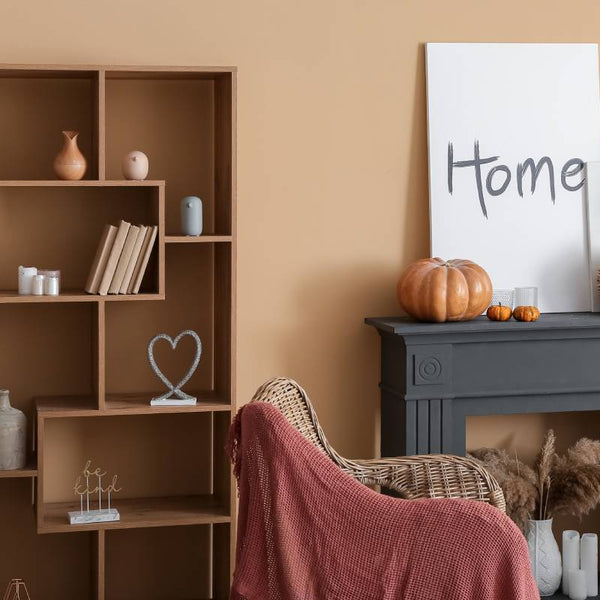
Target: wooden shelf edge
{"x": 138, "y": 513}
{"x": 199, "y": 239}
{"x": 124, "y": 404}
{"x": 82, "y": 183}
{"x": 70, "y": 296}
{"x": 30, "y": 470}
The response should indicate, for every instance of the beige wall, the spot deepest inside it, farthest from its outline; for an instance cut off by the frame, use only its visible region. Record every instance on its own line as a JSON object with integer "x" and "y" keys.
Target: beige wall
{"x": 332, "y": 156}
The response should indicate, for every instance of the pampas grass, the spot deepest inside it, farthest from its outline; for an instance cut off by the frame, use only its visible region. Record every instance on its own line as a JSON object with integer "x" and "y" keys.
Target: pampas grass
{"x": 558, "y": 484}
{"x": 517, "y": 480}
{"x": 543, "y": 467}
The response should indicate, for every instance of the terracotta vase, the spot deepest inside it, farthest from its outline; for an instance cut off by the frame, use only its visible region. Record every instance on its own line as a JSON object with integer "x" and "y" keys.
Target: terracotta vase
{"x": 69, "y": 163}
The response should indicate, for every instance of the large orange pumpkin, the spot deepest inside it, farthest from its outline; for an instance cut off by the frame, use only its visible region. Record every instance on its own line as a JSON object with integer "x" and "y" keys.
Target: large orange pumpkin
{"x": 432, "y": 289}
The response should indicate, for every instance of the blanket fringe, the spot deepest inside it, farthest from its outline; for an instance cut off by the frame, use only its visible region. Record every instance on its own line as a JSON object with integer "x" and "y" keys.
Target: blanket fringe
{"x": 233, "y": 444}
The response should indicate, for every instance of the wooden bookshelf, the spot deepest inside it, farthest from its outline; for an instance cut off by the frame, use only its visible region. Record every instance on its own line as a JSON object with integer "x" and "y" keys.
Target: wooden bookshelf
{"x": 76, "y": 363}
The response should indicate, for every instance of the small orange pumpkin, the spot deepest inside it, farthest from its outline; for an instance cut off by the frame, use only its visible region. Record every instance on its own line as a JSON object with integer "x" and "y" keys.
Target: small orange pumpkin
{"x": 432, "y": 289}
{"x": 497, "y": 312}
{"x": 526, "y": 313}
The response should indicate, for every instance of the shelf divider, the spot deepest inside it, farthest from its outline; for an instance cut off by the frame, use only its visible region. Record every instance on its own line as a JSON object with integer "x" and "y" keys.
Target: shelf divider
{"x": 99, "y": 367}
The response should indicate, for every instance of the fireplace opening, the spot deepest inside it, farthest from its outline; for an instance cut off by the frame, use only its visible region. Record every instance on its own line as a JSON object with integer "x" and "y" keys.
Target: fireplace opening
{"x": 522, "y": 435}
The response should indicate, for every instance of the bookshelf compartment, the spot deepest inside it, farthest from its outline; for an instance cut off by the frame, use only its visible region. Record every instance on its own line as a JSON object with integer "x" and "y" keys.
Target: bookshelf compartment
{"x": 41, "y": 561}
{"x": 60, "y": 227}
{"x": 173, "y": 118}
{"x": 45, "y": 350}
{"x": 35, "y": 107}
{"x": 166, "y": 456}
{"x": 130, "y": 326}
{"x": 153, "y": 564}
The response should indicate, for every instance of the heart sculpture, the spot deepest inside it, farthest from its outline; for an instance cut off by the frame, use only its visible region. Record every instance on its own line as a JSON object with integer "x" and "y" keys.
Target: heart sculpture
{"x": 174, "y": 390}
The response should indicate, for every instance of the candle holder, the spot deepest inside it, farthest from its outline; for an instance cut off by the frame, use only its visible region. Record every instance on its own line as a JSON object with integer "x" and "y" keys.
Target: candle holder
{"x": 526, "y": 296}
{"x": 504, "y": 297}
{"x": 15, "y": 588}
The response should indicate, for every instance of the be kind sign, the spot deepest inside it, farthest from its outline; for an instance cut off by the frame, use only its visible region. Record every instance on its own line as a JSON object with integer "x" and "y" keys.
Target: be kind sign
{"x": 510, "y": 128}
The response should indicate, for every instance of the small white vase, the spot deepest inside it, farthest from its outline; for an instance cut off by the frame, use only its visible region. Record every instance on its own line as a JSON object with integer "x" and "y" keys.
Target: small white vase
{"x": 13, "y": 435}
{"x": 545, "y": 556}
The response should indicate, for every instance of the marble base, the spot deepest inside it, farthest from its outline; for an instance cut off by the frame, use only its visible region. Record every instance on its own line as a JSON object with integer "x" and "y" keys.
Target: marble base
{"x": 76, "y": 517}
{"x": 173, "y": 402}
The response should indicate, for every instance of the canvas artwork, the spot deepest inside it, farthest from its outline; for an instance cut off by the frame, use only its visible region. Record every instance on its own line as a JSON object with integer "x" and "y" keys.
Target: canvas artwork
{"x": 511, "y": 127}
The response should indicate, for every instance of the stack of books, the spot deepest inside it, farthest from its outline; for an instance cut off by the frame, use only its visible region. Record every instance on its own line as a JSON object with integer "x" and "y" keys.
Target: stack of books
{"x": 121, "y": 259}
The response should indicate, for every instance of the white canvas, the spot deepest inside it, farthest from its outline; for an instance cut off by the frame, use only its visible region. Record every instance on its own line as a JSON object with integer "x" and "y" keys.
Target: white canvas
{"x": 518, "y": 101}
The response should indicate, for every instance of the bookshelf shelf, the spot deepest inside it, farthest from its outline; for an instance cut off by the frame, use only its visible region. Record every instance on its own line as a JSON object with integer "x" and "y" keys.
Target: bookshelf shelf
{"x": 30, "y": 470}
{"x": 138, "y": 404}
{"x": 124, "y": 404}
{"x": 13, "y": 297}
{"x": 201, "y": 239}
{"x": 81, "y": 183}
{"x": 141, "y": 512}
{"x": 75, "y": 363}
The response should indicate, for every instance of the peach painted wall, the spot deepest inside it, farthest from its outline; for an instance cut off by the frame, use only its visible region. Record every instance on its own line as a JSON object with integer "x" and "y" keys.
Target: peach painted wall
{"x": 332, "y": 159}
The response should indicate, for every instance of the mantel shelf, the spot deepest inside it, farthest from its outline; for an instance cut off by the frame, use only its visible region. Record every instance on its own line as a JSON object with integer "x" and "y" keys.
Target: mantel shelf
{"x": 13, "y": 297}
{"x": 140, "y": 512}
{"x": 81, "y": 183}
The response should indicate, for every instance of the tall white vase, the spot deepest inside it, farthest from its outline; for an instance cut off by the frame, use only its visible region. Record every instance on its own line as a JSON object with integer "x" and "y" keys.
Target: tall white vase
{"x": 545, "y": 556}
{"x": 13, "y": 435}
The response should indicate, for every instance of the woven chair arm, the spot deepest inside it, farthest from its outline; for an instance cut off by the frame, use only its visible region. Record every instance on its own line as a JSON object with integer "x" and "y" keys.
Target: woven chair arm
{"x": 429, "y": 476}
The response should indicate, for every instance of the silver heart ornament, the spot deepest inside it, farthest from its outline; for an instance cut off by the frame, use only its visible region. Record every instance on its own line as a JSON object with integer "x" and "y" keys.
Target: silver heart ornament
{"x": 175, "y": 389}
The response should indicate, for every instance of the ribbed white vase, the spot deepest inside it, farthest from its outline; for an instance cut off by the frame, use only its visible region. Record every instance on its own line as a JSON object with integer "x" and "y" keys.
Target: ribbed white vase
{"x": 545, "y": 556}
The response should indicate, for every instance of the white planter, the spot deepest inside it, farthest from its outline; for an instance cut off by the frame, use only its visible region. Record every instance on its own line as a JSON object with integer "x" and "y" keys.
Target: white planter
{"x": 545, "y": 556}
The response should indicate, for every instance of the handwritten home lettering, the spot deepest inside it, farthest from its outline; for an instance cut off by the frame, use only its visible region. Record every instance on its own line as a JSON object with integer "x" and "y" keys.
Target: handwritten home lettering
{"x": 498, "y": 177}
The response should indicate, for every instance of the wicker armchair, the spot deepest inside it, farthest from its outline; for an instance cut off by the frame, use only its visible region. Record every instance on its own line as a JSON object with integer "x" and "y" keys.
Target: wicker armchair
{"x": 426, "y": 476}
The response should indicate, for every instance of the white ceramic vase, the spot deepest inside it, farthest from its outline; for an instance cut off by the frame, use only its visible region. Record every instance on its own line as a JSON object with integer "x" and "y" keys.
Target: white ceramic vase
{"x": 13, "y": 435}
{"x": 545, "y": 556}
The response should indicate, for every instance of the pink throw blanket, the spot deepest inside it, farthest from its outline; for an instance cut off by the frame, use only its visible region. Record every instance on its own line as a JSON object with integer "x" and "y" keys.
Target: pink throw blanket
{"x": 308, "y": 531}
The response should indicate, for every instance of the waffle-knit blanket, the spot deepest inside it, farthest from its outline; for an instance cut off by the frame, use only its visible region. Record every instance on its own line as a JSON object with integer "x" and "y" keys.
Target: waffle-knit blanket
{"x": 309, "y": 531}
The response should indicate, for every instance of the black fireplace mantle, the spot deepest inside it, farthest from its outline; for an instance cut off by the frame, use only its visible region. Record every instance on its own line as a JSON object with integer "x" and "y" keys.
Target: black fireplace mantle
{"x": 434, "y": 375}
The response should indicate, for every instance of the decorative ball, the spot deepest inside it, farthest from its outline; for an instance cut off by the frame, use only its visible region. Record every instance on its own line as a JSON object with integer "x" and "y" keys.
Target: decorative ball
{"x": 497, "y": 312}
{"x": 526, "y": 313}
{"x": 135, "y": 165}
{"x": 437, "y": 290}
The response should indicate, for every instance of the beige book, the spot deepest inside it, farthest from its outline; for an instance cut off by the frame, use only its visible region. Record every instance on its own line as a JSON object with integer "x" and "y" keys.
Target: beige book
{"x": 117, "y": 280}
{"x": 138, "y": 262}
{"x": 113, "y": 259}
{"x": 145, "y": 258}
{"x": 135, "y": 254}
{"x": 102, "y": 253}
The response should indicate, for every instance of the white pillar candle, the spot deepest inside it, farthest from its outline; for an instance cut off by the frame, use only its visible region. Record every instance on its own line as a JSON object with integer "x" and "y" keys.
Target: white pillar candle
{"x": 577, "y": 585}
{"x": 37, "y": 288}
{"x": 51, "y": 282}
{"x": 570, "y": 556}
{"x": 26, "y": 275}
{"x": 589, "y": 562}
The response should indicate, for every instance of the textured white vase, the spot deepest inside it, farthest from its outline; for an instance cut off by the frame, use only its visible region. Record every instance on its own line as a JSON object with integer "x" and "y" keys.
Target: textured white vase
{"x": 13, "y": 435}
{"x": 545, "y": 556}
